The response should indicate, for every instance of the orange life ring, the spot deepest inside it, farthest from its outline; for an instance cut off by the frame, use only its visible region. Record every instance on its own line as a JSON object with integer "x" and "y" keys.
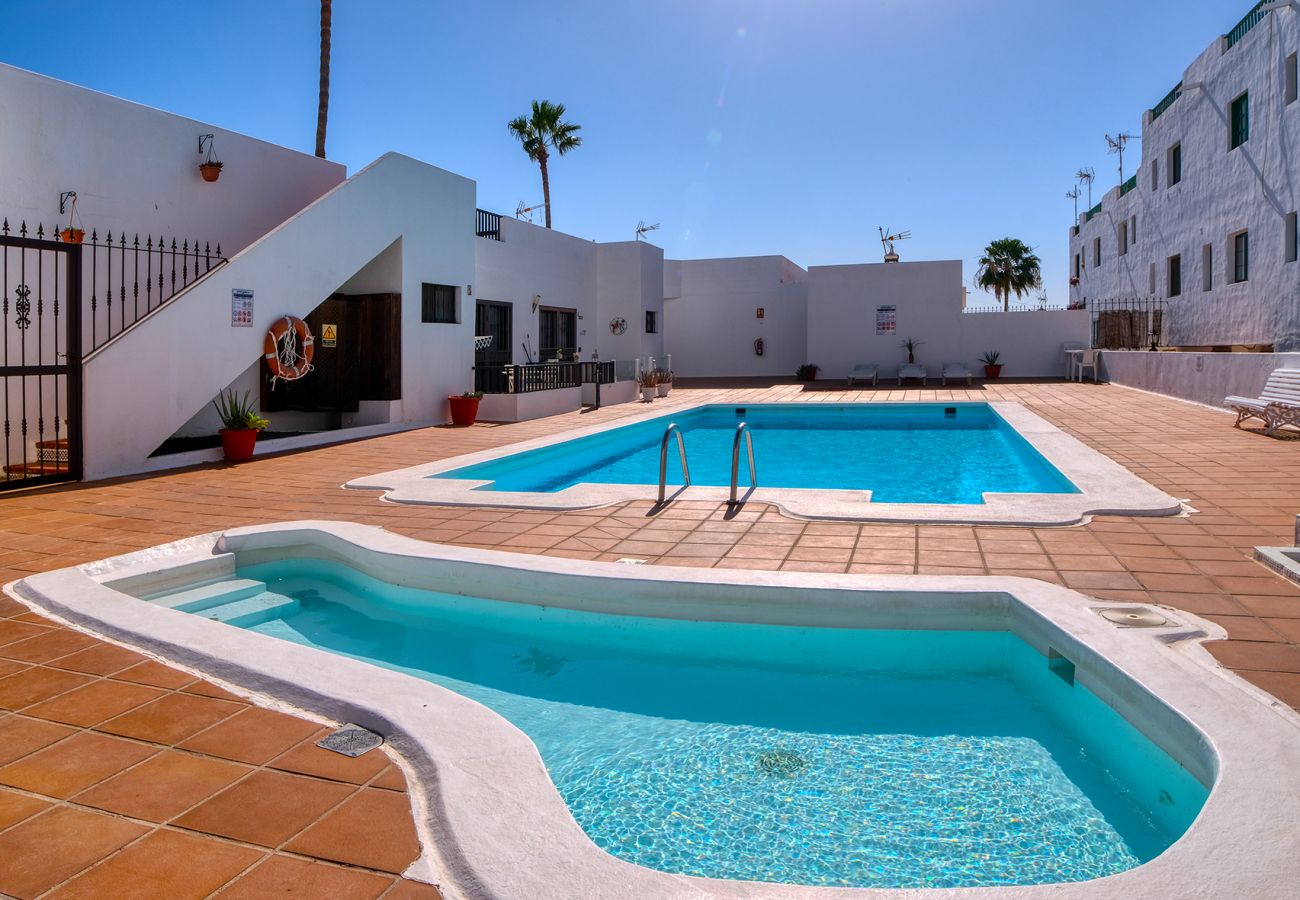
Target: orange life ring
{"x": 288, "y": 349}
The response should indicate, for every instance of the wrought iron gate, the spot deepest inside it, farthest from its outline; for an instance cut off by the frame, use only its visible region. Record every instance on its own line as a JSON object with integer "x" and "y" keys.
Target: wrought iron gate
{"x": 40, "y": 358}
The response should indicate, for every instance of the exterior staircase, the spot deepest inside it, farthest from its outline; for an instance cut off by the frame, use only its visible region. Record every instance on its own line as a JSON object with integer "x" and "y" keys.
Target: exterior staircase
{"x": 51, "y": 459}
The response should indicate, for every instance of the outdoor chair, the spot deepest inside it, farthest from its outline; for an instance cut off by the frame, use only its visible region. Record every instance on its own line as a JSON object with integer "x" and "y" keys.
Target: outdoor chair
{"x": 956, "y": 371}
{"x": 1070, "y": 350}
{"x": 864, "y": 372}
{"x": 911, "y": 370}
{"x": 1087, "y": 360}
{"x": 1277, "y": 405}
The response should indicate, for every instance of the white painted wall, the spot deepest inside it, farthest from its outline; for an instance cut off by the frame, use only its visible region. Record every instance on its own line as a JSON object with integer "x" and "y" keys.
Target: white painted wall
{"x": 712, "y": 320}
{"x": 842, "y": 302}
{"x": 1222, "y": 191}
{"x": 630, "y": 282}
{"x": 291, "y": 269}
{"x": 135, "y": 169}
{"x": 1201, "y": 377}
{"x": 525, "y": 407}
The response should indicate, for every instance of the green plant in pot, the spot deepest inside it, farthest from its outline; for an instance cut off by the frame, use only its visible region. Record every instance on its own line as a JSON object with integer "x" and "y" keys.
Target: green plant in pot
{"x": 240, "y": 424}
{"x": 911, "y": 345}
{"x": 464, "y": 408}
{"x": 663, "y": 382}
{"x": 647, "y": 381}
{"x": 807, "y": 372}
{"x": 992, "y": 368}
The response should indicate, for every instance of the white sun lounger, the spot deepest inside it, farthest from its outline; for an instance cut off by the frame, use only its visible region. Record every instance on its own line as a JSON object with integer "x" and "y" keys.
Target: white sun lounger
{"x": 955, "y": 371}
{"x": 864, "y": 372}
{"x": 1277, "y": 405}
{"x": 911, "y": 370}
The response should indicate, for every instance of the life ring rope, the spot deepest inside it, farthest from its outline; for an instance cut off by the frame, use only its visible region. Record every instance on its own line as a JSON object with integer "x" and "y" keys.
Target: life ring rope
{"x": 288, "y": 349}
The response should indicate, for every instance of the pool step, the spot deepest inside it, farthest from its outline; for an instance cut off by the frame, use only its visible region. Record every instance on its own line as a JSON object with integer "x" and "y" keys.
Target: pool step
{"x": 199, "y": 598}
{"x": 253, "y": 610}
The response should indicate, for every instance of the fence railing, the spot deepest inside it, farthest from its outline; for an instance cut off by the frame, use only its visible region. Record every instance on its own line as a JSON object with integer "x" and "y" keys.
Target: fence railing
{"x": 597, "y": 372}
{"x": 1167, "y": 101}
{"x": 1128, "y": 185}
{"x": 1087, "y": 217}
{"x": 527, "y": 379}
{"x": 1128, "y": 323}
{"x": 487, "y": 224}
{"x": 1015, "y": 308}
{"x": 1248, "y": 21}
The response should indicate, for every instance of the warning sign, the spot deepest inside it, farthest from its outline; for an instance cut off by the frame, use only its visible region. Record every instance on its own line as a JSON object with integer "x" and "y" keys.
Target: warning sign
{"x": 329, "y": 336}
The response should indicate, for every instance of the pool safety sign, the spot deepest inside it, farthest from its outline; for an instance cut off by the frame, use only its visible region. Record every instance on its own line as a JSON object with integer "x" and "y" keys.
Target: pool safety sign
{"x": 241, "y": 308}
{"x": 886, "y": 320}
{"x": 329, "y": 336}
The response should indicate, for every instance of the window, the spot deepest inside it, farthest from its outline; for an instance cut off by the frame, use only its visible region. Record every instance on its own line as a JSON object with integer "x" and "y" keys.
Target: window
{"x": 1133, "y": 230}
{"x": 1175, "y": 164}
{"x": 438, "y": 303}
{"x": 1239, "y": 122}
{"x": 651, "y": 322}
{"x": 1289, "y": 79}
{"x": 1096, "y": 251}
{"x": 1175, "y": 275}
{"x": 1151, "y": 287}
{"x": 557, "y": 334}
{"x": 1076, "y": 264}
{"x": 1291, "y": 247}
{"x": 1240, "y": 257}
{"x": 1155, "y": 175}
{"x": 1207, "y": 267}
{"x": 1123, "y": 238}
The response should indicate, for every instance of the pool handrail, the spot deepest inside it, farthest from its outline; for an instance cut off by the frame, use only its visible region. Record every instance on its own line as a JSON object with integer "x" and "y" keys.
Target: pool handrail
{"x": 741, "y": 429}
{"x": 663, "y": 459}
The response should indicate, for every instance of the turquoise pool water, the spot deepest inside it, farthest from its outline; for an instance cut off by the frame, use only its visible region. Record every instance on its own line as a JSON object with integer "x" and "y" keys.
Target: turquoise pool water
{"x": 821, "y": 756}
{"x": 901, "y": 452}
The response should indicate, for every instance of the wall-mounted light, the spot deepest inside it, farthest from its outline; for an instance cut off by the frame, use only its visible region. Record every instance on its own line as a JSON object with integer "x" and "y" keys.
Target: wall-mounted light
{"x": 211, "y": 167}
{"x": 537, "y": 301}
{"x": 469, "y": 290}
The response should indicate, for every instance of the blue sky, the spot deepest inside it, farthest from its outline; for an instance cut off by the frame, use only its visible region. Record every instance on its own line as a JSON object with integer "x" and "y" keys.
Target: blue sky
{"x": 745, "y": 128}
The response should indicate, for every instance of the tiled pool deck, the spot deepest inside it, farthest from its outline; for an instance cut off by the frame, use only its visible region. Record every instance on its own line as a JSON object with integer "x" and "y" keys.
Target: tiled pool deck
{"x": 126, "y": 778}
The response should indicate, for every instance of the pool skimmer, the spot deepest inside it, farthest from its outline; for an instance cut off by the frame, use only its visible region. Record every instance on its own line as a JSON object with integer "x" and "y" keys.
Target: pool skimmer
{"x": 1133, "y": 616}
{"x": 351, "y": 740}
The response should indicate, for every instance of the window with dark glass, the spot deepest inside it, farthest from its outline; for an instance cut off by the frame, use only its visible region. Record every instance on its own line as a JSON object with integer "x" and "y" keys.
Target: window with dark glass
{"x": 651, "y": 322}
{"x": 1291, "y": 239}
{"x": 1175, "y": 275}
{"x": 1241, "y": 257}
{"x": 1240, "y": 121}
{"x": 1175, "y": 164}
{"x": 559, "y": 334}
{"x": 437, "y": 303}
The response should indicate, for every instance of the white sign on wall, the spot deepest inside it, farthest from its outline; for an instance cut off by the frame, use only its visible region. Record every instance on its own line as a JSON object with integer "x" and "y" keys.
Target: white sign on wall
{"x": 886, "y": 320}
{"x": 241, "y": 308}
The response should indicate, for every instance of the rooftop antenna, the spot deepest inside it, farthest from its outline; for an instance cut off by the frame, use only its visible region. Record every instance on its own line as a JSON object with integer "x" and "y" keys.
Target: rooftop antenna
{"x": 887, "y": 242}
{"x": 525, "y": 212}
{"x": 642, "y": 228}
{"x": 1117, "y": 146}
{"x": 1085, "y": 176}
{"x": 1073, "y": 194}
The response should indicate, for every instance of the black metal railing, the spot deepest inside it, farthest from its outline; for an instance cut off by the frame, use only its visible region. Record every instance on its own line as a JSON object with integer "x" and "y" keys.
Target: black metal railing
{"x": 1248, "y": 21}
{"x": 487, "y": 224}
{"x": 514, "y": 379}
{"x": 597, "y": 372}
{"x": 1128, "y": 323}
{"x": 1167, "y": 101}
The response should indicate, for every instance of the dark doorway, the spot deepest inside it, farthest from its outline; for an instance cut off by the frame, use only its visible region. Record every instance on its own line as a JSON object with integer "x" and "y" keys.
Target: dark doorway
{"x": 494, "y": 319}
{"x": 558, "y": 338}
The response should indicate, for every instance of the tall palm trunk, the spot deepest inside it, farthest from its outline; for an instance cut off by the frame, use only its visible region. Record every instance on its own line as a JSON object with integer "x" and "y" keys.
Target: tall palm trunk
{"x": 546, "y": 186}
{"x": 323, "y": 108}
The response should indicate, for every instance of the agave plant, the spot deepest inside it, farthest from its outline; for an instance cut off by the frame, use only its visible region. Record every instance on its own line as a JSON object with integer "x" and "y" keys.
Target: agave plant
{"x": 237, "y": 413}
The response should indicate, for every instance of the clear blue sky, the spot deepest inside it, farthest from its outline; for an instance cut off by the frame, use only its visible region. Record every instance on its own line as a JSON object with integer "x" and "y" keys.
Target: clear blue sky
{"x": 746, "y": 128}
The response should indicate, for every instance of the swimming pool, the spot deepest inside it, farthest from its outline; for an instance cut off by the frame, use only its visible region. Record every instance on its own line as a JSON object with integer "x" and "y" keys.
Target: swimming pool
{"x": 900, "y": 452}
{"x": 819, "y": 756}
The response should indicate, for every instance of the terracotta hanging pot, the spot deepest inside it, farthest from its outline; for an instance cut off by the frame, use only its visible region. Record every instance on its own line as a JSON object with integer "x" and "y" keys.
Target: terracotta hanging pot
{"x": 210, "y": 171}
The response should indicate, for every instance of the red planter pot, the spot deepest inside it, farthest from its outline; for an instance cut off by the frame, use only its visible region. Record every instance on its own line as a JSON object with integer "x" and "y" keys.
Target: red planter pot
{"x": 210, "y": 171}
{"x": 464, "y": 410}
{"x": 992, "y": 371}
{"x": 237, "y": 445}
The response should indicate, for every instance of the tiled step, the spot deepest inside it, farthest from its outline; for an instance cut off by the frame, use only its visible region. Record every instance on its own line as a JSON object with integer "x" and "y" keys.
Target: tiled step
{"x": 35, "y": 469}
{"x": 253, "y": 610}
{"x": 199, "y": 598}
{"x": 52, "y": 451}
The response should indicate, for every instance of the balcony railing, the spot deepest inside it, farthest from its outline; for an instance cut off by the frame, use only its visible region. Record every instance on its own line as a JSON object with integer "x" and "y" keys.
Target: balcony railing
{"x": 513, "y": 379}
{"x": 1128, "y": 185}
{"x": 1248, "y": 21}
{"x": 597, "y": 372}
{"x": 1167, "y": 101}
{"x": 487, "y": 225}
{"x": 1087, "y": 217}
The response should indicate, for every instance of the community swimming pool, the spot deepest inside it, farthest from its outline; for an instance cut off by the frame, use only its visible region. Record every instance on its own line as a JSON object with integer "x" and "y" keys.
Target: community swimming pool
{"x": 820, "y": 756}
{"x": 900, "y": 452}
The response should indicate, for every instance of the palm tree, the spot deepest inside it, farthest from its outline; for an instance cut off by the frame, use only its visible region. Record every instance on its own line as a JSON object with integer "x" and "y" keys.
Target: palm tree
{"x": 541, "y": 132}
{"x": 323, "y": 108}
{"x": 1008, "y": 267}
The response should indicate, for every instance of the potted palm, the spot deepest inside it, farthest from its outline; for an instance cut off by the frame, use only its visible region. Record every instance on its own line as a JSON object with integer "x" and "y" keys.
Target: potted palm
{"x": 807, "y": 372}
{"x": 240, "y": 424}
{"x": 464, "y": 409}
{"x": 911, "y": 345}
{"x": 992, "y": 368}
{"x": 663, "y": 382}
{"x": 647, "y": 381}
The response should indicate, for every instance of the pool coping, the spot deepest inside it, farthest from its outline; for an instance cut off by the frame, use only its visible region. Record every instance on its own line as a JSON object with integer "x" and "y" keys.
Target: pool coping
{"x": 1105, "y": 486}
{"x": 492, "y": 823}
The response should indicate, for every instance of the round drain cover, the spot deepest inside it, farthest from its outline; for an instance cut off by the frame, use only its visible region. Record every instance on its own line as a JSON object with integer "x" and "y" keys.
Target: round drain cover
{"x": 1136, "y": 617}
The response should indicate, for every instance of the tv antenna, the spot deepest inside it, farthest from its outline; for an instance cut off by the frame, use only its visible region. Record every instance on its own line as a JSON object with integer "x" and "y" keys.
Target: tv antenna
{"x": 525, "y": 212}
{"x": 642, "y": 228}
{"x": 1073, "y": 194}
{"x": 1085, "y": 176}
{"x": 887, "y": 242}
{"x": 1117, "y": 144}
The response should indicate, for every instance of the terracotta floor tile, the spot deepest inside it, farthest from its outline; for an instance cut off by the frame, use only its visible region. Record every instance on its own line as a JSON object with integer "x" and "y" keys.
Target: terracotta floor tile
{"x": 287, "y": 876}
{"x": 413, "y": 890}
{"x": 267, "y": 808}
{"x": 171, "y": 718}
{"x": 11, "y": 632}
{"x": 1285, "y": 686}
{"x": 390, "y": 779}
{"x": 1257, "y": 655}
{"x": 308, "y": 759}
{"x": 254, "y": 736}
{"x": 37, "y": 684}
{"x": 15, "y": 807}
{"x": 20, "y": 735}
{"x": 164, "y": 864}
{"x": 94, "y": 702}
{"x": 101, "y": 659}
{"x": 12, "y": 667}
{"x": 156, "y": 674}
{"x": 372, "y": 829}
{"x": 73, "y": 765}
{"x": 50, "y": 644}
{"x": 162, "y": 787}
{"x": 207, "y": 689}
{"x": 53, "y": 846}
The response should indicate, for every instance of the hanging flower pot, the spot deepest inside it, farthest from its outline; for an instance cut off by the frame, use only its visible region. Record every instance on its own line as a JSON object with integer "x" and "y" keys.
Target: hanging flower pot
{"x": 210, "y": 171}
{"x": 72, "y": 235}
{"x": 210, "y": 168}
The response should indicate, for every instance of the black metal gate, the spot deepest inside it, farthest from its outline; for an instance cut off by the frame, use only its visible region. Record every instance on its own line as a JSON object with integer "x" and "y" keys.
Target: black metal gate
{"x": 40, "y": 358}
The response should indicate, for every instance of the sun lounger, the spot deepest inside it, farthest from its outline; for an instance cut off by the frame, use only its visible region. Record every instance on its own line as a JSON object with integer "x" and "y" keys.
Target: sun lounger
{"x": 911, "y": 370}
{"x": 864, "y": 372}
{"x": 955, "y": 371}
{"x": 1277, "y": 405}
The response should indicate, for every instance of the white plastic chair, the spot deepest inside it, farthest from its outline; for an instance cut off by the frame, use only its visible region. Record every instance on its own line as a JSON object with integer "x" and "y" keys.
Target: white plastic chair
{"x": 1088, "y": 360}
{"x": 1066, "y": 349}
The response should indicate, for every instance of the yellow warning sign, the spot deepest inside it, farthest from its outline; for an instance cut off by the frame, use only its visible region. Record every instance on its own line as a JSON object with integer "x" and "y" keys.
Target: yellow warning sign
{"x": 329, "y": 336}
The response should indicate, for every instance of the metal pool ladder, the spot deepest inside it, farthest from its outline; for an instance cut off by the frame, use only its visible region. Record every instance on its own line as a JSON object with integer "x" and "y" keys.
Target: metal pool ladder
{"x": 663, "y": 459}
{"x": 742, "y": 430}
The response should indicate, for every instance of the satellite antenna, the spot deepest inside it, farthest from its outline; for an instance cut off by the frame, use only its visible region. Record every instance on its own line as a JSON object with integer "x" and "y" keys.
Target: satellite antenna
{"x": 1117, "y": 146}
{"x": 887, "y": 242}
{"x": 1073, "y": 194}
{"x": 642, "y": 228}
{"x": 1085, "y": 176}
{"x": 525, "y": 212}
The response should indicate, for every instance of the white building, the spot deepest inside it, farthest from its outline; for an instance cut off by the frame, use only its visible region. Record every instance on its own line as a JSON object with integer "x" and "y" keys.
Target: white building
{"x": 1208, "y": 222}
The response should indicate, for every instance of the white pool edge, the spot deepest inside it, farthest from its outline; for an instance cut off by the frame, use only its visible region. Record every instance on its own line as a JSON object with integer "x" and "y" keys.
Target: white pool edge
{"x": 1105, "y": 486}
{"x": 492, "y": 823}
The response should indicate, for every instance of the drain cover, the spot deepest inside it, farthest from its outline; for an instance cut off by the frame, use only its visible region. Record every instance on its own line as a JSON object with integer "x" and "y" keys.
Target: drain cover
{"x": 781, "y": 763}
{"x": 350, "y": 740}
{"x": 1133, "y": 616}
